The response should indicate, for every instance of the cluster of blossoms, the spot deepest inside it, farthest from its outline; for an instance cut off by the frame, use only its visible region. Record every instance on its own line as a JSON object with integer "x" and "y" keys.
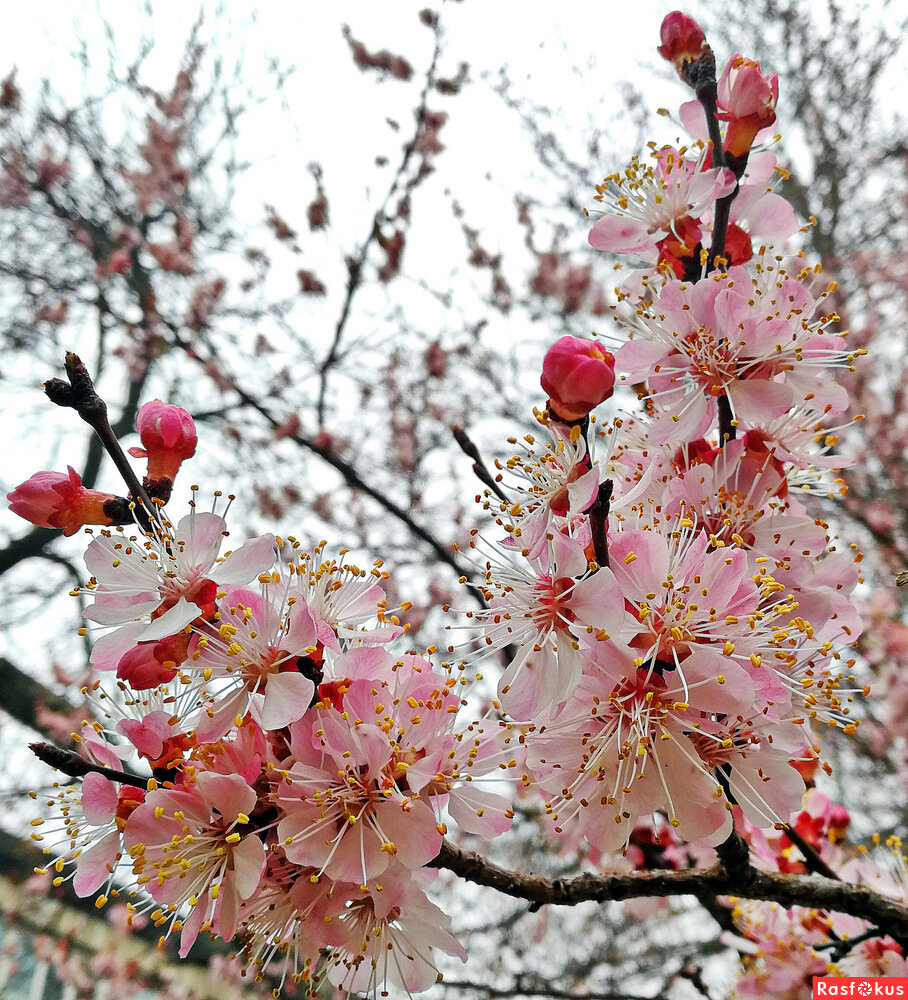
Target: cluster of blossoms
{"x": 678, "y": 613}
{"x": 302, "y": 765}
{"x": 785, "y": 949}
{"x": 675, "y": 619}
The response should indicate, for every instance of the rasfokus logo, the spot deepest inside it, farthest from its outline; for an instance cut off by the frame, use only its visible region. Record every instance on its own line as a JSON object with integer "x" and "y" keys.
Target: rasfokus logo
{"x": 860, "y": 986}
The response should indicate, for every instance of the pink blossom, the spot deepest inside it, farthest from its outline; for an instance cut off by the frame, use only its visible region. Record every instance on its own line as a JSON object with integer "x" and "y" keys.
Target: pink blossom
{"x": 59, "y": 500}
{"x": 92, "y": 819}
{"x": 550, "y": 610}
{"x": 344, "y": 812}
{"x": 645, "y": 205}
{"x": 54, "y": 315}
{"x": 389, "y": 937}
{"x": 630, "y": 742}
{"x": 262, "y": 659}
{"x": 204, "y": 299}
{"x": 747, "y": 101}
{"x": 150, "y": 590}
{"x": 775, "y": 359}
{"x": 49, "y": 171}
{"x": 172, "y": 257}
{"x": 346, "y": 602}
{"x": 560, "y": 483}
{"x": 202, "y": 827}
{"x": 15, "y": 189}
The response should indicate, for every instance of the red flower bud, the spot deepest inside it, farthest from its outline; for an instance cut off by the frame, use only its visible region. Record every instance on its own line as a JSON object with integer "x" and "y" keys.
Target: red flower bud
{"x": 169, "y": 437}
{"x": 59, "y": 500}
{"x": 149, "y": 664}
{"x": 683, "y": 42}
{"x": 578, "y": 375}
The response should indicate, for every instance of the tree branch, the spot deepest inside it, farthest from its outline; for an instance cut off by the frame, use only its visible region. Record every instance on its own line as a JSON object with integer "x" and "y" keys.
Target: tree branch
{"x": 739, "y": 879}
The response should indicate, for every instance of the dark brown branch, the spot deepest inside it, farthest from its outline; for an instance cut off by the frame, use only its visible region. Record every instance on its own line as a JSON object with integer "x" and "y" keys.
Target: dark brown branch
{"x": 523, "y": 989}
{"x": 22, "y": 697}
{"x": 727, "y": 424}
{"x": 480, "y": 470}
{"x": 739, "y": 879}
{"x": 599, "y": 521}
{"x": 811, "y": 856}
{"x": 77, "y": 767}
{"x": 79, "y": 393}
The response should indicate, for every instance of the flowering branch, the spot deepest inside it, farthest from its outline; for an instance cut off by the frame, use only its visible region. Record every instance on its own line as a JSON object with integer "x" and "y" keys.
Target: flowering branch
{"x": 732, "y": 875}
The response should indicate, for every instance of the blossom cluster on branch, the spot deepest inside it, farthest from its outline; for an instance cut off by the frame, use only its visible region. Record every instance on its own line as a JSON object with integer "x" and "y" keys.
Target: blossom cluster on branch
{"x": 272, "y": 763}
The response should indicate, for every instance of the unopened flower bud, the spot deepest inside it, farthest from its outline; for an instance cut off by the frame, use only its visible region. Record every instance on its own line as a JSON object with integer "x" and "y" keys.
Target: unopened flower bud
{"x": 149, "y": 664}
{"x": 169, "y": 437}
{"x": 684, "y": 45}
{"x": 59, "y": 500}
{"x": 578, "y": 375}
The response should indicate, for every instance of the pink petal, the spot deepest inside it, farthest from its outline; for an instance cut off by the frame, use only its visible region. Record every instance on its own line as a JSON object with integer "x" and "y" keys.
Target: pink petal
{"x": 99, "y": 799}
{"x": 639, "y": 560}
{"x": 704, "y": 667}
{"x": 693, "y": 118}
{"x": 111, "y": 648}
{"x": 773, "y": 218}
{"x": 249, "y": 863}
{"x": 411, "y": 829}
{"x": 226, "y": 908}
{"x": 93, "y": 866}
{"x": 302, "y": 632}
{"x": 598, "y": 601}
{"x": 131, "y": 572}
{"x": 198, "y": 539}
{"x": 287, "y": 698}
{"x": 365, "y": 661}
{"x": 116, "y": 610}
{"x": 767, "y": 795}
{"x": 757, "y": 400}
{"x": 638, "y": 357}
{"x": 228, "y": 793}
{"x": 479, "y": 812}
{"x": 173, "y": 620}
{"x": 247, "y": 562}
{"x": 618, "y": 234}
{"x": 191, "y": 927}
{"x": 709, "y": 185}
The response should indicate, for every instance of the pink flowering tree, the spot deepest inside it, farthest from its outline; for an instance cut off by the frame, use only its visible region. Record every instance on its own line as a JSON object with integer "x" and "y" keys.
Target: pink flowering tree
{"x": 654, "y": 659}
{"x": 653, "y": 662}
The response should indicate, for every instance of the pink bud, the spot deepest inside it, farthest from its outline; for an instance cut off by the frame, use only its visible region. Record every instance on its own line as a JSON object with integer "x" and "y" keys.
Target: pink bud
{"x": 747, "y": 101}
{"x": 683, "y": 41}
{"x": 578, "y": 375}
{"x": 149, "y": 664}
{"x": 169, "y": 437}
{"x": 58, "y": 500}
